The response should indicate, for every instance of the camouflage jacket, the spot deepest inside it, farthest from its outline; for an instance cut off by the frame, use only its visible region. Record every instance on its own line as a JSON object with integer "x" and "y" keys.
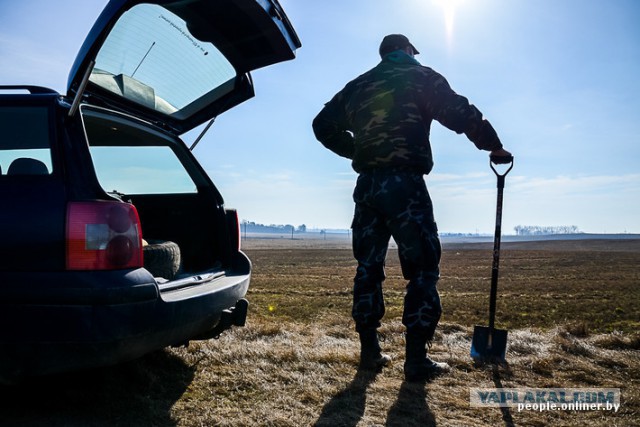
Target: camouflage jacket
{"x": 382, "y": 118}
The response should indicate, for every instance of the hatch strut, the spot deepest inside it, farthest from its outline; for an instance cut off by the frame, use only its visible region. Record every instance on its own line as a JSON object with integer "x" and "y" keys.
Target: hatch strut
{"x": 227, "y": 102}
{"x": 81, "y": 88}
{"x": 206, "y": 128}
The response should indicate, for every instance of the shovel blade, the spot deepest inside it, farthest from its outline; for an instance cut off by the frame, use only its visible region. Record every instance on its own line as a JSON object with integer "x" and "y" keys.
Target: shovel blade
{"x": 489, "y": 345}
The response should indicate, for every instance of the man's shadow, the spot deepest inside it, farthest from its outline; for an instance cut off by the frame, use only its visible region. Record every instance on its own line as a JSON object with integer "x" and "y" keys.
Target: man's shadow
{"x": 411, "y": 407}
{"x": 346, "y": 408}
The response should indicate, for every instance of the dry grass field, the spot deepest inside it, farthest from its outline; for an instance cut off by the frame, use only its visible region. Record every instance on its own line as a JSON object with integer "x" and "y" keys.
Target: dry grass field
{"x": 572, "y": 310}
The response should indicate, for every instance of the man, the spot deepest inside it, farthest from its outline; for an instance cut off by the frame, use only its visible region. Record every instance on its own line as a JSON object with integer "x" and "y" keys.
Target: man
{"x": 381, "y": 121}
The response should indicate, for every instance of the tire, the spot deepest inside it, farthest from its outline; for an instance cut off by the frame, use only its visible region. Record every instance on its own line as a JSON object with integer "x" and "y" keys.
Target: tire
{"x": 162, "y": 258}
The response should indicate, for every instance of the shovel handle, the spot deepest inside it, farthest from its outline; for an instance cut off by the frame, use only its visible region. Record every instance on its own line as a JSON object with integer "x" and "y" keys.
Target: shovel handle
{"x": 498, "y": 232}
{"x": 501, "y": 160}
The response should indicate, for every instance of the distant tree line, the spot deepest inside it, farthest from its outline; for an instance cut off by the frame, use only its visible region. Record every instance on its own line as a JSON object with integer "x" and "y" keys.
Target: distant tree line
{"x": 536, "y": 230}
{"x": 252, "y": 227}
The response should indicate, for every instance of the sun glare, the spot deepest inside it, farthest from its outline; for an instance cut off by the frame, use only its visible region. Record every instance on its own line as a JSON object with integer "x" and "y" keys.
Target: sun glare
{"x": 449, "y": 10}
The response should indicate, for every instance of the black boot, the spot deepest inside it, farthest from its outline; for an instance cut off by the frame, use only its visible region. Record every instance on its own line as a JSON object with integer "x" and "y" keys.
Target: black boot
{"x": 371, "y": 357}
{"x": 418, "y": 366}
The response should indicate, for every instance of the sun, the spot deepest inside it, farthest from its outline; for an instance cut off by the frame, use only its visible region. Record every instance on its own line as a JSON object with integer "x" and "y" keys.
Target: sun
{"x": 449, "y": 8}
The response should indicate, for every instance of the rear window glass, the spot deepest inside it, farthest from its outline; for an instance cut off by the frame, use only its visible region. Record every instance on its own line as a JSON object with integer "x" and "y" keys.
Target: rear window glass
{"x": 25, "y": 145}
{"x": 140, "y": 170}
{"x": 130, "y": 160}
{"x": 150, "y": 57}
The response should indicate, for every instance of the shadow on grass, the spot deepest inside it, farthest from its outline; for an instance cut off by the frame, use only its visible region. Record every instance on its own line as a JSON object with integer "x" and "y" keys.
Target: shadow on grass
{"x": 506, "y": 412}
{"x": 411, "y": 407}
{"x": 141, "y": 392}
{"x": 346, "y": 408}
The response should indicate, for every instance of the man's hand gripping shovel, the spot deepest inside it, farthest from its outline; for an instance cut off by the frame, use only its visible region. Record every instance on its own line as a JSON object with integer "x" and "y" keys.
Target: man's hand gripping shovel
{"x": 490, "y": 344}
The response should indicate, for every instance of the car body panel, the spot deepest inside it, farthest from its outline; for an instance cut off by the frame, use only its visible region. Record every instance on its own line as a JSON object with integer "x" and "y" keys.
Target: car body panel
{"x": 75, "y": 321}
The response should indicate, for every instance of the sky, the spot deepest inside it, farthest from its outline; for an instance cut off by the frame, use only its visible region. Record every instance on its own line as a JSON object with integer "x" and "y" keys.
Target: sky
{"x": 557, "y": 79}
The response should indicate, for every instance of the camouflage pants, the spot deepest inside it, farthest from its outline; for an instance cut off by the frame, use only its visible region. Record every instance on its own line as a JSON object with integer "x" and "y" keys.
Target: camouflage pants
{"x": 395, "y": 203}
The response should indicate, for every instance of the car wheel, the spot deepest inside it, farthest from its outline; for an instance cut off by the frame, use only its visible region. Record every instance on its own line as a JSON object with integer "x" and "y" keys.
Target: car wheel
{"x": 162, "y": 258}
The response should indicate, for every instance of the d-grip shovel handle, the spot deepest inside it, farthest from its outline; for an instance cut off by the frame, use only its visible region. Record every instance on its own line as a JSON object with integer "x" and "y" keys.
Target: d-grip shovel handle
{"x": 501, "y": 160}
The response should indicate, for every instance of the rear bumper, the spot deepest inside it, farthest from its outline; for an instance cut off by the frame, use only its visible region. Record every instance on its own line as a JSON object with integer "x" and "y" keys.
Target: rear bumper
{"x": 57, "y": 322}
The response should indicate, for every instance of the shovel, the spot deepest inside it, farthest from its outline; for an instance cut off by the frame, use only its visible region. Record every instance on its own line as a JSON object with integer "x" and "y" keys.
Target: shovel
{"x": 490, "y": 344}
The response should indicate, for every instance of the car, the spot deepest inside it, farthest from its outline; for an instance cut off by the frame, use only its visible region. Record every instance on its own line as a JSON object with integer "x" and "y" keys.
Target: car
{"x": 115, "y": 241}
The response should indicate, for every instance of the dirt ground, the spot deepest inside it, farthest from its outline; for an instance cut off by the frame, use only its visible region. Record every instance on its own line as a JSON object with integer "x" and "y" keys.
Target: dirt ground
{"x": 571, "y": 308}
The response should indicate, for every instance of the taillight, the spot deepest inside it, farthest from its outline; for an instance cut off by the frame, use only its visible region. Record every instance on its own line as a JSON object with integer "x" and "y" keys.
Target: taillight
{"x": 233, "y": 224}
{"x": 103, "y": 235}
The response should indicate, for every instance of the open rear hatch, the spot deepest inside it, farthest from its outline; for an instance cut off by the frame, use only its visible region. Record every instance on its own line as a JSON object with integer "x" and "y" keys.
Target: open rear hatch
{"x": 179, "y": 63}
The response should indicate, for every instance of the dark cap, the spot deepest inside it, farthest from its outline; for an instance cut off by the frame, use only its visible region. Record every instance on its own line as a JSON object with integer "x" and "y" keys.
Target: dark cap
{"x": 394, "y": 42}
